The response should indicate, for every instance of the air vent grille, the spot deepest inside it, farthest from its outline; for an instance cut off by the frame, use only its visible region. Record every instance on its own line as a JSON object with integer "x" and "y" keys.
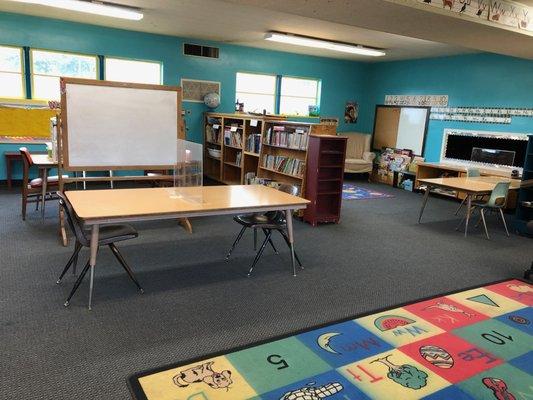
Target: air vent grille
{"x": 200, "y": 51}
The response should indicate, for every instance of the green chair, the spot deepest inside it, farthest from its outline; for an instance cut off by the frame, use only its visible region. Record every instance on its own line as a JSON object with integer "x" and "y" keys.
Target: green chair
{"x": 496, "y": 202}
{"x": 470, "y": 173}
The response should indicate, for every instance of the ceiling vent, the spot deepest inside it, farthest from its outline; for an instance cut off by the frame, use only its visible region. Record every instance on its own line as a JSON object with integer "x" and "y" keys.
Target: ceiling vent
{"x": 200, "y": 51}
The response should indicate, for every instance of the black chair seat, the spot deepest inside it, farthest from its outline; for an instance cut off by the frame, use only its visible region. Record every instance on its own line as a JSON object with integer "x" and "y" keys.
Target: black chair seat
{"x": 266, "y": 221}
{"x": 113, "y": 233}
{"x": 108, "y": 236}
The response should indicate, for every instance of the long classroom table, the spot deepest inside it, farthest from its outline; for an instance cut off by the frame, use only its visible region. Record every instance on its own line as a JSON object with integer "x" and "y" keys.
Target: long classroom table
{"x": 473, "y": 186}
{"x": 97, "y": 207}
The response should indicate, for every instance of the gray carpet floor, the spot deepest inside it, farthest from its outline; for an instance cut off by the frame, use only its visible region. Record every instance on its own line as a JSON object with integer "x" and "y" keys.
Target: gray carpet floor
{"x": 196, "y": 303}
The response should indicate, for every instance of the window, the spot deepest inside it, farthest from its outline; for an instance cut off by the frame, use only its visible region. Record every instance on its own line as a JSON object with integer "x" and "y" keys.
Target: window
{"x": 257, "y": 92}
{"x": 48, "y": 66}
{"x": 121, "y": 70}
{"x": 297, "y": 95}
{"x": 11, "y": 76}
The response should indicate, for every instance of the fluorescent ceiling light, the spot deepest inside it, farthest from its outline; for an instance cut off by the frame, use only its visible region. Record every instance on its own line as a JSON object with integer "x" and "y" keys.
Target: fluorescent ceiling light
{"x": 92, "y": 7}
{"x": 322, "y": 44}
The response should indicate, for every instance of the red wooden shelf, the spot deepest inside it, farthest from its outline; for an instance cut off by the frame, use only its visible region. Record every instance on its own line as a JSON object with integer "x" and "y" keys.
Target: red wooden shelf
{"x": 325, "y": 163}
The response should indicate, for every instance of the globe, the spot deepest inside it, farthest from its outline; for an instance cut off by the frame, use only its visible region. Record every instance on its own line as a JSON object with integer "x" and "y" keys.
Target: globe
{"x": 212, "y": 100}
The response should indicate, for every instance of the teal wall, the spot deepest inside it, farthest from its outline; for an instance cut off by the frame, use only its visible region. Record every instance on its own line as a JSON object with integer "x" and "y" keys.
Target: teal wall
{"x": 469, "y": 80}
{"x": 341, "y": 80}
{"x": 482, "y": 80}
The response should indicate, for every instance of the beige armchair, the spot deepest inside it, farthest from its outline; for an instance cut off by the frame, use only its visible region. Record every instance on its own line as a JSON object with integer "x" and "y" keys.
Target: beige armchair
{"x": 359, "y": 158}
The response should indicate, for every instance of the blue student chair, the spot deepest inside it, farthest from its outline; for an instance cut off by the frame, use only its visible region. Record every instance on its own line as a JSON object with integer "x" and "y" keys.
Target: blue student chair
{"x": 495, "y": 203}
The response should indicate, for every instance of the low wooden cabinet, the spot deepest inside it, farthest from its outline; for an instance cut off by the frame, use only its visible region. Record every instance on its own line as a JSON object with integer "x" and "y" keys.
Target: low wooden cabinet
{"x": 324, "y": 178}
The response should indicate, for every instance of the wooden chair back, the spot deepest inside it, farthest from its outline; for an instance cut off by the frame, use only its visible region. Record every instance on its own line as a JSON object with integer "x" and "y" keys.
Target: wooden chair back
{"x": 27, "y": 162}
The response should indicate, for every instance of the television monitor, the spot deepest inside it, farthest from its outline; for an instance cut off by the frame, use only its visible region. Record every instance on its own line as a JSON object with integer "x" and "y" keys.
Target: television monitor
{"x": 493, "y": 156}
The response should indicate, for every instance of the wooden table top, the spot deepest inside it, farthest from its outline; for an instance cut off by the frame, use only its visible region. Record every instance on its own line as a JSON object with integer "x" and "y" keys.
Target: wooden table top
{"x": 42, "y": 160}
{"x": 485, "y": 171}
{"x": 478, "y": 184}
{"x": 94, "y": 206}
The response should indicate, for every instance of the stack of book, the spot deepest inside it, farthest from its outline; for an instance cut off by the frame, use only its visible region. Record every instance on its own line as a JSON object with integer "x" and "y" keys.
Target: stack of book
{"x": 212, "y": 134}
{"x": 232, "y": 138}
{"x": 249, "y": 178}
{"x": 296, "y": 138}
{"x": 287, "y": 165}
{"x": 253, "y": 143}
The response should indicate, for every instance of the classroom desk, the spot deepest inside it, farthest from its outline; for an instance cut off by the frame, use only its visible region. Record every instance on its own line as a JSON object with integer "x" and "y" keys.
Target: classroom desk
{"x": 474, "y": 186}
{"x": 44, "y": 163}
{"x": 96, "y": 207}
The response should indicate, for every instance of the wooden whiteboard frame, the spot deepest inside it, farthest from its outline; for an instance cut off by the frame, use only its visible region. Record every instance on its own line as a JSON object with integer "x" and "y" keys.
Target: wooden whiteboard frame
{"x": 400, "y": 107}
{"x": 64, "y": 157}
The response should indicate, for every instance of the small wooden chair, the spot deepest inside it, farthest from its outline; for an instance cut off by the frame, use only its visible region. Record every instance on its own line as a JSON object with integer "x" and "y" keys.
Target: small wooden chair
{"x": 32, "y": 189}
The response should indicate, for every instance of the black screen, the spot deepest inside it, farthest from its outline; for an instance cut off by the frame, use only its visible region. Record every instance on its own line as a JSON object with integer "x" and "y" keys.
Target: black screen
{"x": 493, "y": 156}
{"x": 460, "y": 147}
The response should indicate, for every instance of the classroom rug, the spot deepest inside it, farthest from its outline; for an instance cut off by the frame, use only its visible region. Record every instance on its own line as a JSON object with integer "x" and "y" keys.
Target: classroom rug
{"x": 353, "y": 192}
{"x": 472, "y": 344}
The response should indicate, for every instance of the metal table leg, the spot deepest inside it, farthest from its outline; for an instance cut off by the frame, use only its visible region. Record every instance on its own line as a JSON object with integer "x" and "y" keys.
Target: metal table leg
{"x": 94, "y": 250}
{"x": 288, "y": 217}
{"x": 468, "y": 212}
{"x": 424, "y": 202}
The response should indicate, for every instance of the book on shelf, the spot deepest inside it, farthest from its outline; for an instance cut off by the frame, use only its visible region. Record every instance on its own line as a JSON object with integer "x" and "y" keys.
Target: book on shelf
{"x": 212, "y": 134}
{"x": 232, "y": 138}
{"x": 286, "y": 165}
{"x": 253, "y": 143}
{"x": 238, "y": 159}
{"x": 249, "y": 178}
{"x": 296, "y": 138}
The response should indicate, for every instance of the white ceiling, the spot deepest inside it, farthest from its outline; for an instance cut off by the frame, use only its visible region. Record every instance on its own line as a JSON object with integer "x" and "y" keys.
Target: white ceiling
{"x": 410, "y": 18}
{"x": 244, "y": 22}
{"x": 244, "y": 25}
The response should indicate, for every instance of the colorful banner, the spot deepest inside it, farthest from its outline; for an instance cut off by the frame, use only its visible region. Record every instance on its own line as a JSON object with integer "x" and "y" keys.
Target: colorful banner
{"x": 417, "y": 100}
{"x": 502, "y": 12}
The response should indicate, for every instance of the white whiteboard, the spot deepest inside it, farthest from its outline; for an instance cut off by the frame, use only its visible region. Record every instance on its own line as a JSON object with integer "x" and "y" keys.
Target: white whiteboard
{"x": 412, "y": 129}
{"x": 112, "y": 126}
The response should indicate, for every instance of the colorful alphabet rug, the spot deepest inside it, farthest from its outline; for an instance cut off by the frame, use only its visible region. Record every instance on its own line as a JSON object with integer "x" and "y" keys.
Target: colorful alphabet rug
{"x": 352, "y": 192}
{"x": 474, "y": 344}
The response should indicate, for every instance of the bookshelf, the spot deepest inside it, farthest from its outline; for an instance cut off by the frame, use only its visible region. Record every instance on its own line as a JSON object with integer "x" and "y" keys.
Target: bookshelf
{"x": 239, "y": 142}
{"x": 326, "y": 155}
{"x": 284, "y": 154}
{"x": 233, "y": 137}
{"x": 247, "y": 148}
